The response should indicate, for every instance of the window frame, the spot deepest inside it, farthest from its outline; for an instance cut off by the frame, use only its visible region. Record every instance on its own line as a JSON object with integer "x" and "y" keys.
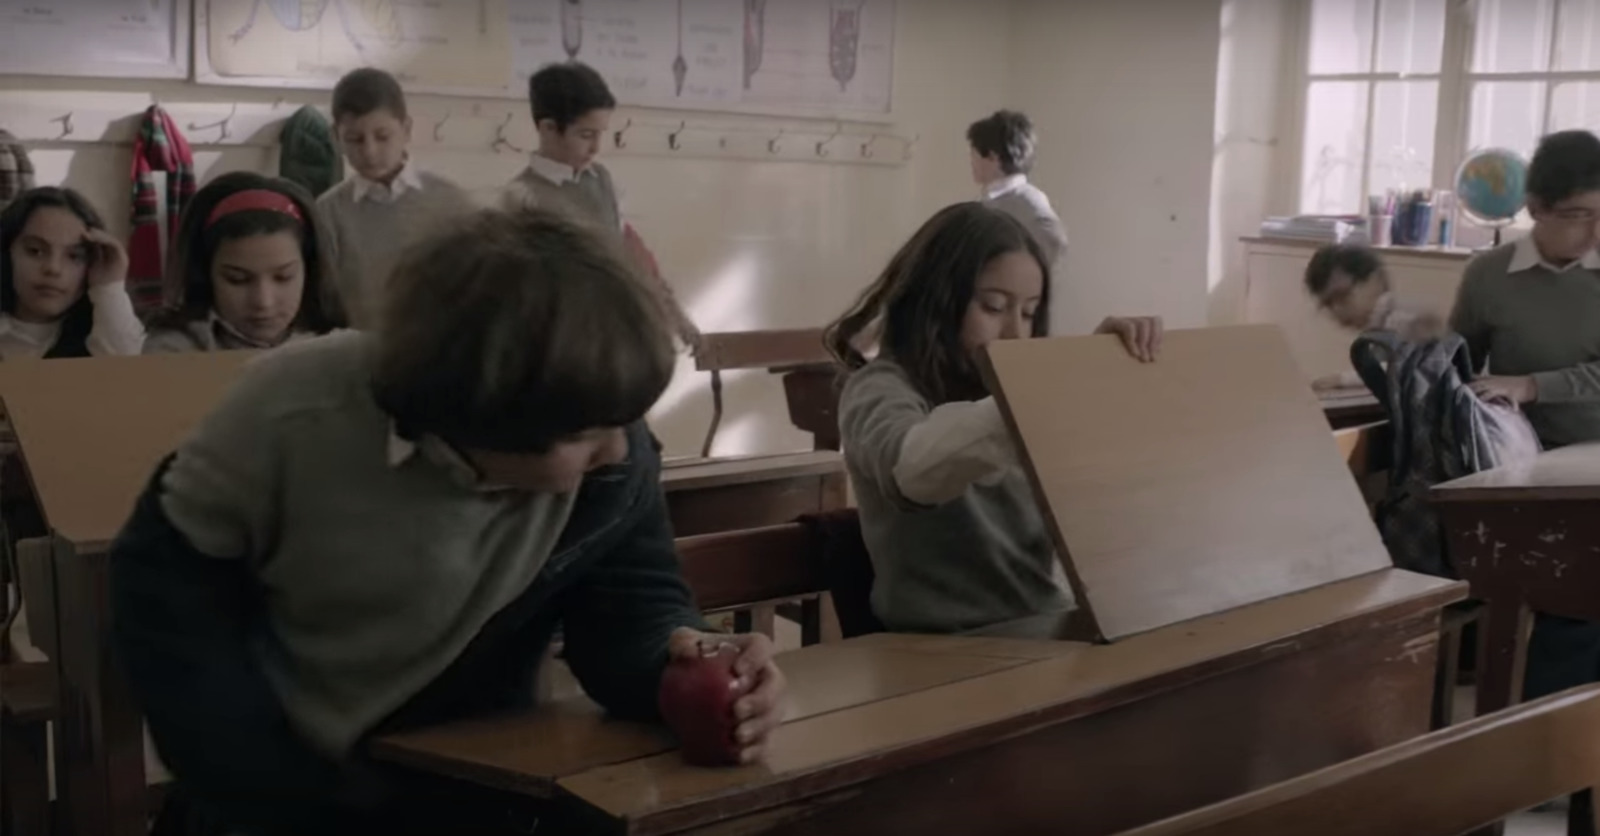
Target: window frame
{"x": 1456, "y": 79}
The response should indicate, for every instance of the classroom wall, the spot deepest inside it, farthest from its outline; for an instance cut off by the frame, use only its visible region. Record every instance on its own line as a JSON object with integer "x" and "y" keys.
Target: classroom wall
{"x": 747, "y": 244}
{"x": 1123, "y": 95}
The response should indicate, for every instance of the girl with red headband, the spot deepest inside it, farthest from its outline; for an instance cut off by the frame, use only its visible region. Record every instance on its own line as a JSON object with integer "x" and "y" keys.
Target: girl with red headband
{"x": 63, "y": 281}
{"x": 253, "y": 268}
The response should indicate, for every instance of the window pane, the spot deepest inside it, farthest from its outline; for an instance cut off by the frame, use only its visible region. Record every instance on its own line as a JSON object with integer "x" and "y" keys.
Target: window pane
{"x": 1575, "y": 105}
{"x": 1403, "y": 116}
{"x": 1507, "y": 114}
{"x": 1410, "y": 36}
{"x": 1578, "y": 41}
{"x": 1341, "y": 36}
{"x": 1513, "y": 36}
{"x": 1333, "y": 157}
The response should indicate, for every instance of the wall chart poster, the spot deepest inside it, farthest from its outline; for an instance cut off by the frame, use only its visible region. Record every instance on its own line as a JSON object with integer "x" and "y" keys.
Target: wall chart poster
{"x": 114, "y": 38}
{"x": 823, "y": 55}
{"x": 438, "y": 44}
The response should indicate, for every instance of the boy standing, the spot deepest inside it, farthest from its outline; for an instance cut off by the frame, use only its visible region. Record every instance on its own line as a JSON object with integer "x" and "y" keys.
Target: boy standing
{"x": 383, "y": 530}
{"x": 1002, "y": 155}
{"x": 1350, "y": 283}
{"x": 572, "y": 111}
{"x": 1530, "y": 313}
{"x": 387, "y": 203}
{"x": 1530, "y": 310}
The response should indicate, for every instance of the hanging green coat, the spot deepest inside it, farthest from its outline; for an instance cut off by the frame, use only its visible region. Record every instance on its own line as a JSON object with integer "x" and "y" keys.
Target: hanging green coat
{"x": 308, "y": 154}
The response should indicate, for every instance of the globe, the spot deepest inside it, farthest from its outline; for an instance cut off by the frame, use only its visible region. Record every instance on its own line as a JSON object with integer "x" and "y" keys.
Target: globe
{"x": 1491, "y": 186}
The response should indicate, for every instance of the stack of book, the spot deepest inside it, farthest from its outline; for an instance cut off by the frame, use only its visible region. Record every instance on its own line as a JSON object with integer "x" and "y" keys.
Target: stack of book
{"x": 1332, "y": 229}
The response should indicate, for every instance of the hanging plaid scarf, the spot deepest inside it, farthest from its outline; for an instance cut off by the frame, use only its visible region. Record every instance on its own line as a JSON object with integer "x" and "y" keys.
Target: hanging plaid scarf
{"x": 16, "y": 171}
{"x": 159, "y": 147}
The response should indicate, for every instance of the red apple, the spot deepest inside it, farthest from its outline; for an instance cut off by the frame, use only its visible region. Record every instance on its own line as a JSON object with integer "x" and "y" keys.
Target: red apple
{"x": 696, "y": 700}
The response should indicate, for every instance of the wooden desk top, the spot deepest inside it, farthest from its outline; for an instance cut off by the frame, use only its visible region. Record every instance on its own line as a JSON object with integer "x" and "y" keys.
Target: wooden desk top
{"x": 1568, "y": 473}
{"x": 1190, "y": 486}
{"x": 700, "y": 474}
{"x": 880, "y": 703}
{"x": 92, "y": 430}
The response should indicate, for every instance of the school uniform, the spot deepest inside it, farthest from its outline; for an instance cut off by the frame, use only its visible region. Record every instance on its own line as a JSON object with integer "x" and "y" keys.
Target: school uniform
{"x": 115, "y": 330}
{"x": 373, "y": 223}
{"x": 303, "y": 574}
{"x": 955, "y": 534}
{"x": 1022, "y": 200}
{"x": 1522, "y": 315}
{"x": 212, "y": 333}
{"x": 589, "y": 198}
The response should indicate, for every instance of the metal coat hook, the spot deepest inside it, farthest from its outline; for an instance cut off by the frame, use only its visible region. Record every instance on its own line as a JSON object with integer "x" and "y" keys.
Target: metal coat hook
{"x": 866, "y": 147}
{"x": 822, "y": 146}
{"x": 66, "y": 124}
{"x": 220, "y": 125}
{"x": 438, "y": 127}
{"x": 500, "y": 140}
{"x": 772, "y": 144}
{"x": 279, "y": 102}
{"x": 910, "y": 144}
{"x": 616, "y": 138}
{"x": 672, "y": 138}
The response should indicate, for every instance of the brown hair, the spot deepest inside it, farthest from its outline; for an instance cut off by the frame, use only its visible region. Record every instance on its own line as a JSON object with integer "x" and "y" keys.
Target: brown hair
{"x": 189, "y": 285}
{"x": 923, "y": 295}
{"x": 512, "y": 331}
{"x": 365, "y": 91}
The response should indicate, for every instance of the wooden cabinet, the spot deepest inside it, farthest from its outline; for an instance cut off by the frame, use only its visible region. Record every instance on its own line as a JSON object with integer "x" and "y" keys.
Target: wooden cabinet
{"x": 1275, "y": 293}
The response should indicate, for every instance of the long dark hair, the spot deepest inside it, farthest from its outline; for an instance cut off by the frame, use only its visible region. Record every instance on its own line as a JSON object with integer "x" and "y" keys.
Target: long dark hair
{"x": 73, "y": 340}
{"x": 923, "y": 295}
{"x": 188, "y": 280}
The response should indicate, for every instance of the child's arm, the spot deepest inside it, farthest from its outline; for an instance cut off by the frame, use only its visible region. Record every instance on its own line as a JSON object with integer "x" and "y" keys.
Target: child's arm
{"x": 116, "y": 330}
{"x": 918, "y": 457}
{"x": 620, "y": 617}
{"x": 183, "y": 603}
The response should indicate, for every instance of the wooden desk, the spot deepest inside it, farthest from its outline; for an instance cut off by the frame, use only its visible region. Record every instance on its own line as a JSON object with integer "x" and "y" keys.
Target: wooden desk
{"x": 1526, "y": 538}
{"x": 90, "y": 433}
{"x": 1350, "y": 408}
{"x": 705, "y": 496}
{"x": 996, "y": 733}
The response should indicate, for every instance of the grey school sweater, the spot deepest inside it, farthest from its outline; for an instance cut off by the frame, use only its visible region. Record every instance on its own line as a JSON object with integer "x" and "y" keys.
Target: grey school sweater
{"x": 372, "y": 233}
{"x": 379, "y": 564}
{"x": 980, "y": 559}
{"x": 1537, "y": 322}
{"x": 1024, "y": 201}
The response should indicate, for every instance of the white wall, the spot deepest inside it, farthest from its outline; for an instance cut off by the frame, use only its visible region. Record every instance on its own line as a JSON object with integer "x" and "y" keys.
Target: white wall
{"x": 748, "y": 245}
{"x": 1123, "y": 94}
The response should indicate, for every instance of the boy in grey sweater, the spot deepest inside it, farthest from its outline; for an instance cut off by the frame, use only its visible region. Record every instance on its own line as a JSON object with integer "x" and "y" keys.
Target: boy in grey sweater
{"x": 386, "y": 204}
{"x": 1002, "y": 155}
{"x": 572, "y": 109}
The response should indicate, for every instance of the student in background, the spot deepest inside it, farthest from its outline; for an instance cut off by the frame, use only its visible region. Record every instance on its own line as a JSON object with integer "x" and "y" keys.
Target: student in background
{"x": 956, "y": 538}
{"x": 1530, "y": 312}
{"x": 387, "y": 203}
{"x": 572, "y": 111}
{"x": 63, "y": 281}
{"x": 380, "y": 531}
{"x": 253, "y": 259}
{"x": 1351, "y": 283}
{"x": 1002, "y": 155}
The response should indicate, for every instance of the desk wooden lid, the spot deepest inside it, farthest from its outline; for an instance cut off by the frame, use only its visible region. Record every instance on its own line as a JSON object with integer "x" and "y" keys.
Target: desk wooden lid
{"x": 1567, "y": 473}
{"x": 92, "y": 430}
{"x": 1196, "y": 484}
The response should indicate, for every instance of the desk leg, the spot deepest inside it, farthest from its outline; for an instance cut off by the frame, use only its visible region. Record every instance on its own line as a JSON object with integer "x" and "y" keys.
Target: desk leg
{"x": 1502, "y": 652}
{"x": 100, "y": 787}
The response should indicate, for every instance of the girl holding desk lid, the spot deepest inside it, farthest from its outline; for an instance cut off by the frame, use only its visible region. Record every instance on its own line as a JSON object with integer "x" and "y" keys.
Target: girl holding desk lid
{"x": 955, "y": 534}
{"x": 255, "y": 264}
{"x": 63, "y": 281}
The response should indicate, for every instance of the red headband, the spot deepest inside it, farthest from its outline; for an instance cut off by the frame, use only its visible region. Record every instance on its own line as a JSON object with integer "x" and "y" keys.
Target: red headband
{"x": 255, "y": 200}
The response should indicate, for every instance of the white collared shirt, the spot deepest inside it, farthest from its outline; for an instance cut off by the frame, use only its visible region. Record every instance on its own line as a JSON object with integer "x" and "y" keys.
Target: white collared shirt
{"x": 407, "y": 180}
{"x": 115, "y": 331}
{"x": 555, "y": 171}
{"x": 1526, "y": 256}
{"x": 1004, "y": 186}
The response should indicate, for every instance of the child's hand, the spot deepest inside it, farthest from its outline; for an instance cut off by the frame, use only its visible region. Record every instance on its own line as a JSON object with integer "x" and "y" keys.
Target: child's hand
{"x": 1514, "y": 390}
{"x": 108, "y": 261}
{"x": 1141, "y": 335}
{"x": 760, "y": 710}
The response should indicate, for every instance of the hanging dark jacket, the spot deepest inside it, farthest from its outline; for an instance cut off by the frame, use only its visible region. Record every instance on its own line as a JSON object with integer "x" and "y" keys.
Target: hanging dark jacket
{"x": 1440, "y": 430}
{"x": 308, "y": 154}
